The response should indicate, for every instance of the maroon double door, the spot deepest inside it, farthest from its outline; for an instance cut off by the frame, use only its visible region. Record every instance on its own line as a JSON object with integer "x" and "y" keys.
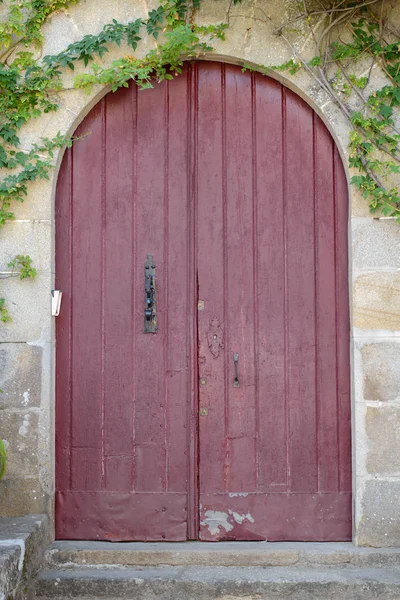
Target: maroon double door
{"x": 232, "y": 420}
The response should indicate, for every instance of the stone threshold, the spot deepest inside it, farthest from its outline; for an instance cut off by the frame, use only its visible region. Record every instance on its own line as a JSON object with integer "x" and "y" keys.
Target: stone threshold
{"x": 72, "y": 554}
{"x": 219, "y": 583}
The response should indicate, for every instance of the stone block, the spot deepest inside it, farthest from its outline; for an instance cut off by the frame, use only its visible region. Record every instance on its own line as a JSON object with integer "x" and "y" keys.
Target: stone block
{"x": 359, "y": 205}
{"x": 376, "y": 244}
{"x": 261, "y": 20}
{"x": 20, "y": 430}
{"x": 240, "y": 23}
{"x": 376, "y": 301}
{"x": 32, "y": 238}
{"x": 379, "y": 525}
{"x": 59, "y": 30}
{"x": 383, "y": 431}
{"x": 10, "y": 561}
{"x": 43, "y": 127}
{"x": 77, "y": 103}
{"x": 54, "y": 123}
{"x": 381, "y": 371}
{"x": 89, "y": 18}
{"x": 20, "y": 375}
{"x": 29, "y": 304}
{"x": 38, "y": 203}
{"x": 24, "y": 538}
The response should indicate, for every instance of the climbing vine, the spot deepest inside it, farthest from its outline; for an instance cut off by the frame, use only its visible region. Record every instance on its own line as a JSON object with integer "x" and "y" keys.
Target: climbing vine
{"x": 350, "y": 38}
{"x": 29, "y": 86}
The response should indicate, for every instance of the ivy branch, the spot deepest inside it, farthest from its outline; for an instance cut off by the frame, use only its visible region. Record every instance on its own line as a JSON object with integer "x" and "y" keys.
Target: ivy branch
{"x": 30, "y": 87}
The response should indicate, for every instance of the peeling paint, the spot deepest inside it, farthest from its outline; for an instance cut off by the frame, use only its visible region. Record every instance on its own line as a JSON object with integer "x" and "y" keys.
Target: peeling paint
{"x": 238, "y": 494}
{"x": 26, "y": 399}
{"x": 214, "y": 519}
{"x": 240, "y": 518}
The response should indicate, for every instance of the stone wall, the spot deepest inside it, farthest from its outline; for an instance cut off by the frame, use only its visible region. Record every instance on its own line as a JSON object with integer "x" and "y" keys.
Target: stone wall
{"x": 27, "y": 344}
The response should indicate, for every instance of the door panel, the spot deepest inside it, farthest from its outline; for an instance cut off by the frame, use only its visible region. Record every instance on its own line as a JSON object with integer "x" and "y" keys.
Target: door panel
{"x": 235, "y": 186}
{"x": 277, "y": 297}
{"x": 124, "y": 398}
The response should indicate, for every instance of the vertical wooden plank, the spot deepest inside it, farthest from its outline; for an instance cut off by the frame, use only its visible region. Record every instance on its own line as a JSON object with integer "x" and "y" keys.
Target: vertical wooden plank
{"x": 117, "y": 277}
{"x": 63, "y": 216}
{"x": 326, "y": 314}
{"x": 86, "y": 469}
{"x": 150, "y": 232}
{"x": 178, "y": 305}
{"x": 137, "y": 293}
{"x": 87, "y": 277}
{"x": 211, "y": 192}
{"x": 300, "y": 294}
{"x": 343, "y": 324}
{"x": 239, "y": 300}
{"x": 118, "y": 473}
{"x": 270, "y": 279}
{"x": 192, "y": 415}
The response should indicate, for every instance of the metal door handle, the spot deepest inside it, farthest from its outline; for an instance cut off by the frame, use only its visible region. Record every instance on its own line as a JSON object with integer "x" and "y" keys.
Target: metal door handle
{"x": 150, "y": 322}
{"x": 236, "y": 363}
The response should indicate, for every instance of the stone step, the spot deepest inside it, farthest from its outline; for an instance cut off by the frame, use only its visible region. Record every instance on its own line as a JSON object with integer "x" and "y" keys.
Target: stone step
{"x": 222, "y": 583}
{"x": 222, "y": 554}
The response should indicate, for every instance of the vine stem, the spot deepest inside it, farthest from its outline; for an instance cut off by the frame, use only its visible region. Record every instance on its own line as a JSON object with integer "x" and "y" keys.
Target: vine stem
{"x": 321, "y": 12}
{"x": 324, "y": 83}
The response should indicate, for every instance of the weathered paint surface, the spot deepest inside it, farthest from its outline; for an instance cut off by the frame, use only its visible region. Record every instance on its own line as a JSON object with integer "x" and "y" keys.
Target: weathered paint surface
{"x": 124, "y": 398}
{"x": 272, "y": 269}
{"x": 235, "y": 187}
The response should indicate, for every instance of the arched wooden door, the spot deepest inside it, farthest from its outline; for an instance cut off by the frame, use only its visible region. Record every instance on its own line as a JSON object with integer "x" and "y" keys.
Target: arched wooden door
{"x": 232, "y": 420}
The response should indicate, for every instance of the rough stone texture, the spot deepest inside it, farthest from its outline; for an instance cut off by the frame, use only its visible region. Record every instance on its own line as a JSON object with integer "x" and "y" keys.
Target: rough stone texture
{"x": 29, "y": 304}
{"x": 22, "y": 545}
{"x": 20, "y": 432}
{"x": 20, "y": 376}
{"x": 18, "y": 494}
{"x": 381, "y": 371}
{"x": 376, "y": 301}
{"x": 24, "y": 484}
{"x": 383, "y": 430}
{"x": 69, "y": 554}
{"x": 381, "y": 236}
{"x": 38, "y": 204}
{"x": 380, "y": 521}
{"x": 9, "y": 568}
{"x": 202, "y": 583}
{"x": 374, "y": 252}
{"x": 29, "y": 237}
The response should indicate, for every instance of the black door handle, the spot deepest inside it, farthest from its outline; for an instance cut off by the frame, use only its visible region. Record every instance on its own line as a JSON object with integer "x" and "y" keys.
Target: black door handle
{"x": 150, "y": 321}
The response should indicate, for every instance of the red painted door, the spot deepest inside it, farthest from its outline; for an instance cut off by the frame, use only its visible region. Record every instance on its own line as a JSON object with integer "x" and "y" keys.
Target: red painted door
{"x": 235, "y": 187}
{"x": 272, "y": 272}
{"x": 124, "y": 398}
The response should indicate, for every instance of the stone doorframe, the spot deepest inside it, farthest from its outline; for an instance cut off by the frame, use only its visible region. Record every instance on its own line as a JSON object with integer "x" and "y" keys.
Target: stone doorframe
{"x": 27, "y": 347}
